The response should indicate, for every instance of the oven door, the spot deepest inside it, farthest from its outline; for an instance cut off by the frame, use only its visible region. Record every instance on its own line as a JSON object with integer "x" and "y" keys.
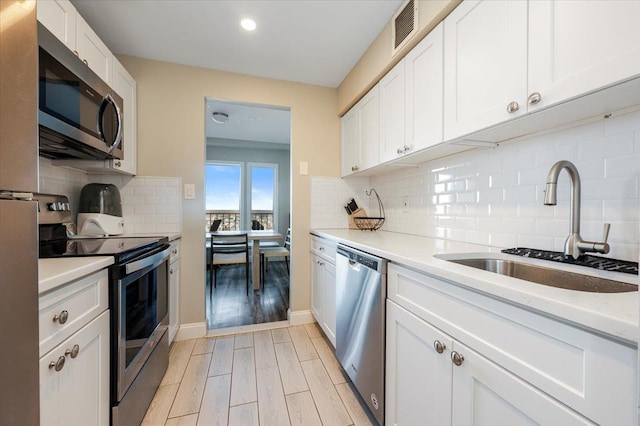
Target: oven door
{"x": 140, "y": 317}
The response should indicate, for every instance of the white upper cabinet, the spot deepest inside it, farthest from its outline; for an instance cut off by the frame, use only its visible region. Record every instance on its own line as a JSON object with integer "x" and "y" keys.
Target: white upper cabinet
{"x": 360, "y": 134}
{"x": 64, "y": 21}
{"x": 59, "y": 16}
{"x": 423, "y": 70}
{"x": 350, "y": 141}
{"x": 392, "y": 114}
{"x": 485, "y": 62}
{"x": 125, "y": 86}
{"x": 92, "y": 50}
{"x": 578, "y": 46}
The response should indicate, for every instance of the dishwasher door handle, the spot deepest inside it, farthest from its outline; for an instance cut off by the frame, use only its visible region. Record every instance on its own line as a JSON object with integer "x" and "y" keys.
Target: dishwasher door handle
{"x": 354, "y": 265}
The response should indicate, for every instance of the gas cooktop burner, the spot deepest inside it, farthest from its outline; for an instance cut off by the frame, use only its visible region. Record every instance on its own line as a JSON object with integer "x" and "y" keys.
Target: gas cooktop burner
{"x": 597, "y": 262}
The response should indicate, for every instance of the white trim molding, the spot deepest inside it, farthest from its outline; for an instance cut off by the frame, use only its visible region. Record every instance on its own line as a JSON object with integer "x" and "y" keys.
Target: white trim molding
{"x": 194, "y": 330}
{"x": 300, "y": 317}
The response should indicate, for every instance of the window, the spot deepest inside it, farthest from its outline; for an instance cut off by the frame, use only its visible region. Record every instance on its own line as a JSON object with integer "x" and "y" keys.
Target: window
{"x": 241, "y": 206}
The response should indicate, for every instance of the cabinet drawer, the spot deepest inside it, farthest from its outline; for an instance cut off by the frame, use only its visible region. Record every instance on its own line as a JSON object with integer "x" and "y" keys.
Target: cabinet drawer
{"x": 591, "y": 374}
{"x": 175, "y": 251}
{"x": 324, "y": 248}
{"x": 82, "y": 300}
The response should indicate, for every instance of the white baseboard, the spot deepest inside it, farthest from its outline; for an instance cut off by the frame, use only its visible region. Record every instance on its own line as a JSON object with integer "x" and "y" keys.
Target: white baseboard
{"x": 300, "y": 317}
{"x": 193, "y": 330}
{"x": 247, "y": 328}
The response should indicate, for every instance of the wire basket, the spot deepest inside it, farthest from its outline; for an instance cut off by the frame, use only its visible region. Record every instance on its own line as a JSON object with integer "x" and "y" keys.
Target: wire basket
{"x": 369, "y": 223}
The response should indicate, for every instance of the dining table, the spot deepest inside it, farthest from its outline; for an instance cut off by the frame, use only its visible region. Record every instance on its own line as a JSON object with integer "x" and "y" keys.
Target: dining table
{"x": 254, "y": 236}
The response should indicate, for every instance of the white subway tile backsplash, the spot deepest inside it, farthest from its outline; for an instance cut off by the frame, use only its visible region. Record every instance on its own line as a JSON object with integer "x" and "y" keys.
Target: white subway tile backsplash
{"x": 501, "y": 200}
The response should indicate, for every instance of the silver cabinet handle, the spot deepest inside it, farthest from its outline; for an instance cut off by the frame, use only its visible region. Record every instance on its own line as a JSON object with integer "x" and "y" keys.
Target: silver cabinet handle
{"x": 320, "y": 263}
{"x": 118, "y": 164}
{"x": 62, "y": 317}
{"x": 457, "y": 358}
{"x": 355, "y": 168}
{"x": 174, "y": 251}
{"x": 321, "y": 248}
{"x": 58, "y": 365}
{"x": 512, "y": 107}
{"x": 439, "y": 346}
{"x": 400, "y": 151}
{"x": 534, "y": 98}
{"x": 73, "y": 352}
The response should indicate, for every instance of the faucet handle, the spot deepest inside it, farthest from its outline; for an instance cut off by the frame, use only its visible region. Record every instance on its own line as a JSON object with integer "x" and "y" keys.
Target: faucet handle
{"x": 605, "y": 235}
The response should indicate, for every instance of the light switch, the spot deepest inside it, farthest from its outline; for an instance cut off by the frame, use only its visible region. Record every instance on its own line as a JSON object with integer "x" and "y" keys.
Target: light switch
{"x": 304, "y": 168}
{"x": 189, "y": 191}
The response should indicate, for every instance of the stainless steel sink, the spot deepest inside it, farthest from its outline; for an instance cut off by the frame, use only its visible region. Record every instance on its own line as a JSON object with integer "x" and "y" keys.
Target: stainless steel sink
{"x": 547, "y": 276}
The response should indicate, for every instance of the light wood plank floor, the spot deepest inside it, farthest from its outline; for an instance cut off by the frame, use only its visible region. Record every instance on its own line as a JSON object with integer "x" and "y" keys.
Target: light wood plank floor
{"x": 285, "y": 376}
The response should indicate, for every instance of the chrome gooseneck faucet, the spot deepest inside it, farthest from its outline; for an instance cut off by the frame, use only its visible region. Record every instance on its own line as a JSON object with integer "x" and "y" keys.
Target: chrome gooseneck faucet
{"x": 575, "y": 246}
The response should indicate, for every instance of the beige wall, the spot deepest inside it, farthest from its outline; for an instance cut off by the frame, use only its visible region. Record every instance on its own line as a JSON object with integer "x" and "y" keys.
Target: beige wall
{"x": 171, "y": 142}
{"x": 377, "y": 60}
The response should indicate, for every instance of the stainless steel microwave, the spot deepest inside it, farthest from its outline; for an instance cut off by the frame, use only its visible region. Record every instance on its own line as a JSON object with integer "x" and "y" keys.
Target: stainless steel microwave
{"x": 79, "y": 115}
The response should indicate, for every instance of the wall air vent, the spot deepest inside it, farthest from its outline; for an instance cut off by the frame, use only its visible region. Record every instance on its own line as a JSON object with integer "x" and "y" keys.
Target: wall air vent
{"x": 405, "y": 24}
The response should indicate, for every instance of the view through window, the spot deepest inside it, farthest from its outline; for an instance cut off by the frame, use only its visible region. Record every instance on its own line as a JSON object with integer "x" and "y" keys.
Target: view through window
{"x": 227, "y": 197}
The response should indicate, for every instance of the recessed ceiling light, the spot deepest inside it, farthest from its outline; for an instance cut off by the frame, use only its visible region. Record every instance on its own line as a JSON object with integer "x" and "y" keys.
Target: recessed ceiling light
{"x": 248, "y": 24}
{"x": 219, "y": 117}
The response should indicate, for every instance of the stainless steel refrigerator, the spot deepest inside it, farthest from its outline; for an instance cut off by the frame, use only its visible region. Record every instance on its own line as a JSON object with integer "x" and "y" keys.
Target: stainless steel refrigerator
{"x": 19, "y": 385}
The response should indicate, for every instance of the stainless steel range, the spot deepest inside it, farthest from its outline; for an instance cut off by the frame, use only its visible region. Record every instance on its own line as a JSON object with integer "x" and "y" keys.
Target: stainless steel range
{"x": 138, "y": 303}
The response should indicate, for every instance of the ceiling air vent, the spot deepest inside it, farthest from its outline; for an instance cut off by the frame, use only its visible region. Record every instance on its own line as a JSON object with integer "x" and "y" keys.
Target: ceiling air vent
{"x": 405, "y": 23}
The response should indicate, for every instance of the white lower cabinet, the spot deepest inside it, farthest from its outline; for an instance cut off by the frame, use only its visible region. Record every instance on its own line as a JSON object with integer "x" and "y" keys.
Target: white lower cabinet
{"x": 174, "y": 289}
{"x": 458, "y": 357}
{"x": 74, "y": 378}
{"x": 323, "y": 286}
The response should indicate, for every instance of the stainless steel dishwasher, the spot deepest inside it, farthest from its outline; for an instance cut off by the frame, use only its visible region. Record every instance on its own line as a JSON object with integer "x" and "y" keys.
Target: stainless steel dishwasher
{"x": 361, "y": 289}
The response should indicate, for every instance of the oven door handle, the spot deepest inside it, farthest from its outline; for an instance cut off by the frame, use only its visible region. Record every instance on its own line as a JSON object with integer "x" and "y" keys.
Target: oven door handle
{"x": 153, "y": 260}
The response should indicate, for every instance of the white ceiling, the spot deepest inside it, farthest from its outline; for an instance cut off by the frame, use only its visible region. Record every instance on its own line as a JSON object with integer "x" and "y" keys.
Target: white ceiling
{"x": 248, "y": 122}
{"x": 309, "y": 41}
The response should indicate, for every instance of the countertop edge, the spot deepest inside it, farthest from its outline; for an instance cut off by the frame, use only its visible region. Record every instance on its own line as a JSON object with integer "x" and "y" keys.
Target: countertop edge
{"x": 53, "y": 273}
{"x": 612, "y": 315}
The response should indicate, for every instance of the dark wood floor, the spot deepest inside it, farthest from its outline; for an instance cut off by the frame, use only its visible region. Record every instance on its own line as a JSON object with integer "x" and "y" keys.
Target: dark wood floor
{"x": 231, "y": 307}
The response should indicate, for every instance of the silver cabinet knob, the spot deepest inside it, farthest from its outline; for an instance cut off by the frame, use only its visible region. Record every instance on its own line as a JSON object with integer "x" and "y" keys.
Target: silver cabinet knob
{"x": 118, "y": 164}
{"x": 512, "y": 107}
{"x": 58, "y": 365}
{"x": 171, "y": 271}
{"x": 174, "y": 251}
{"x": 321, "y": 248}
{"x": 457, "y": 358}
{"x": 75, "y": 52}
{"x": 73, "y": 352}
{"x": 534, "y": 98}
{"x": 439, "y": 346}
{"x": 85, "y": 62}
{"x": 355, "y": 168}
{"x": 399, "y": 151}
{"x": 406, "y": 148}
{"x": 62, "y": 317}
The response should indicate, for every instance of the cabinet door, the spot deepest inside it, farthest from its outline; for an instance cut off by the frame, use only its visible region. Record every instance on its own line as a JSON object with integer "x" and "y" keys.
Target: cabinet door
{"x": 368, "y": 109}
{"x": 125, "y": 86}
{"x": 418, "y": 378}
{"x": 486, "y": 394}
{"x": 423, "y": 70}
{"x": 174, "y": 299}
{"x": 576, "y": 47}
{"x": 317, "y": 290}
{"x": 59, "y": 17}
{"x": 78, "y": 394}
{"x": 350, "y": 142}
{"x": 329, "y": 323}
{"x": 93, "y": 51}
{"x": 485, "y": 64}
{"x": 392, "y": 114}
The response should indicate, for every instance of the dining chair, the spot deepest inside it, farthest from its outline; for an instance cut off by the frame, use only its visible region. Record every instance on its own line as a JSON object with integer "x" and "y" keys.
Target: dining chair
{"x": 280, "y": 251}
{"x": 228, "y": 249}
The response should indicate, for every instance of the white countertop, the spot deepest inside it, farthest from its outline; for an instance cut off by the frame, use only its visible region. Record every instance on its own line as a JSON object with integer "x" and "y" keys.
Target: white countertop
{"x": 611, "y": 314}
{"x": 53, "y": 273}
{"x": 171, "y": 235}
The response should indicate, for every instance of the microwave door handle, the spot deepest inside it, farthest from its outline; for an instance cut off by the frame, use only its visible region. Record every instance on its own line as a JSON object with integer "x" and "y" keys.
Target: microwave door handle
{"x": 109, "y": 100}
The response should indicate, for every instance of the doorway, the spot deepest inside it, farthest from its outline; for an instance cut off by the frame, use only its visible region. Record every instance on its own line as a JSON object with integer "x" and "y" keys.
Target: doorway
{"x": 247, "y": 188}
